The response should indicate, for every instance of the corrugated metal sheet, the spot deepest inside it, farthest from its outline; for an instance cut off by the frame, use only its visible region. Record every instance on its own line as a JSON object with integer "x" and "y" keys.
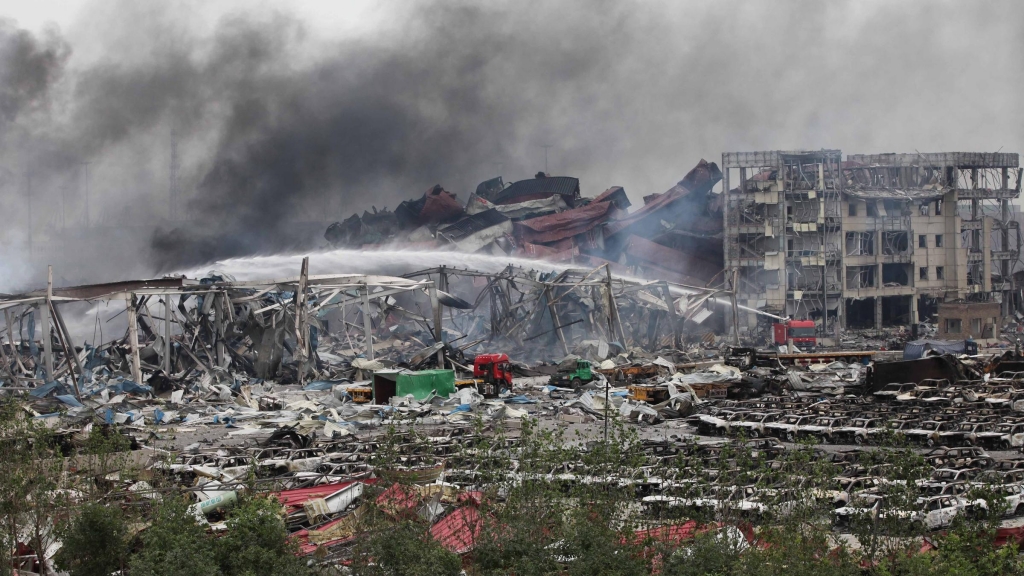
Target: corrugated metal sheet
{"x": 473, "y": 224}
{"x": 459, "y": 530}
{"x": 700, "y": 180}
{"x": 436, "y": 205}
{"x": 616, "y": 195}
{"x": 564, "y": 186}
{"x": 564, "y": 224}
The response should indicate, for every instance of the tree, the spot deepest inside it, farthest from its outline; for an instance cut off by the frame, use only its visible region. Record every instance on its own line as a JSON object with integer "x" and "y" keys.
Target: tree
{"x": 33, "y": 487}
{"x": 256, "y": 542}
{"x": 175, "y": 545}
{"x": 95, "y": 542}
{"x": 406, "y": 549}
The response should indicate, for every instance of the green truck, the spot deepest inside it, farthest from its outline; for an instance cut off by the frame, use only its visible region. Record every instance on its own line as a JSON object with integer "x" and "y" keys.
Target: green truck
{"x": 572, "y": 373}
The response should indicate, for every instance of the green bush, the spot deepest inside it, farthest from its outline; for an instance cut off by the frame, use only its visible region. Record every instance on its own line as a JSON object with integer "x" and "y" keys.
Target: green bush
{"x": 256, "y": 542}
{"x": 95, "y": 542}
{"x": 175, "y": 545}
{"x": 406, "y": 549}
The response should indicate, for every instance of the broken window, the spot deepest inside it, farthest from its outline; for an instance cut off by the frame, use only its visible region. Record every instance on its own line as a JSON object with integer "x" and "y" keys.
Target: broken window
{"x": 938, "y": 240}
{"x": 922, "y": 273}
{"x": 938, "y": 207}
{"x": 939, "y": 272}
{"x": 925, "y": 209}
{"x": 804, "y": 209}
{"x": 860, "y": 243}
{"x": 860, "y": 277}
{"x": 871, "y": 211}
{"x": 895, "y": 275}
{"x": 953, "y": 325}
{"x": 896, "y": 310}
{"x": 860, "y": 313}
{"x": 922, "y": 241}
{"x": 893, "y": 207}
{"x": 853, "y": 209}
{"x": 752, "y": 245}
{"x": 975, "y": 273}
{"x": 927, "y": 307}
{"x": 895, "y": 243}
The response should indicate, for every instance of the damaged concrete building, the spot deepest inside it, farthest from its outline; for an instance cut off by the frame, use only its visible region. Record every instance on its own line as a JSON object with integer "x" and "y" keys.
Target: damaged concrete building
{"x": 876, "y": 240}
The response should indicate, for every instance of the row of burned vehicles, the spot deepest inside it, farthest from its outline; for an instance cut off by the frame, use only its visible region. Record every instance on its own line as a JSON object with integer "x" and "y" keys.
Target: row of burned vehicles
{"x": 902, "y": 413}
{"x": 680, "y": 477}
{"x": 950, "y": 482}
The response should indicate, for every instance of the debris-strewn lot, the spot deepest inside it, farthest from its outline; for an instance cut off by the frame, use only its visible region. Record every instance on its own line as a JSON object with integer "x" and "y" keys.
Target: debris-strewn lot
{"x": 510, "y": 420}
{"x": 657, "y": 448}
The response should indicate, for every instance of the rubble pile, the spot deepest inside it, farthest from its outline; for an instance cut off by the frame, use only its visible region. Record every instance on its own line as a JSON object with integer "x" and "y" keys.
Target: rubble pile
{"x": 674, "y": 236}
{"x": 321, "y": 470}
{"x": 292, "y": 387}
{"x": 300, "y": 380}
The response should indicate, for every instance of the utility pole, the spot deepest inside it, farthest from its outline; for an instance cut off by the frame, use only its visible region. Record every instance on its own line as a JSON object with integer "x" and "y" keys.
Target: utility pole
{"x": 172, "y": 188}
{"x": 545, "y": 147}
{"x": 85, "y": 186}
{"x": 28, "y": 188}
{"x": 47, "y": 339}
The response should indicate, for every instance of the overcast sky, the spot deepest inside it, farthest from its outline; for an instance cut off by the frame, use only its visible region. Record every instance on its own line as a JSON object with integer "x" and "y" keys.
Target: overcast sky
{"x": 298, "y": 110}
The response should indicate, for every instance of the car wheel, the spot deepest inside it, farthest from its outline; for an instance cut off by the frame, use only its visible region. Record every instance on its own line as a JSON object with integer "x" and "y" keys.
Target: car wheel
{"x": 576, "y": 383}
{"x": 858, "y": 439}
{"x": 930, "y": 442}
{"x": 790, "y": 437}
{"x": 754, "y": 433}
{"x": 1018, "y": 510}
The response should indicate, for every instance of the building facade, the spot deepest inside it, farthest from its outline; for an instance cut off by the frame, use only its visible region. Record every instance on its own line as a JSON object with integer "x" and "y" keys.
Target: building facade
{"x": 874, "y": 241}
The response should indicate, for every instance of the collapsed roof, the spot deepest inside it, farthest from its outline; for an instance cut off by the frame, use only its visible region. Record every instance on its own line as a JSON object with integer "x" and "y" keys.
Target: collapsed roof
{"x": 675, "y": 235}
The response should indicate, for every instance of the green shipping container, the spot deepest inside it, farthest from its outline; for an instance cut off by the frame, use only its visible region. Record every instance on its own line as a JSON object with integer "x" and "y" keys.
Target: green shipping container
{"x": 421, "y": 384}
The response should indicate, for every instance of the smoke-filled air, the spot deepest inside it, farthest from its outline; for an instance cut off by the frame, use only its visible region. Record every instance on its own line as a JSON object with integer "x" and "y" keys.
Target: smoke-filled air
{"x": 138, "y": 138}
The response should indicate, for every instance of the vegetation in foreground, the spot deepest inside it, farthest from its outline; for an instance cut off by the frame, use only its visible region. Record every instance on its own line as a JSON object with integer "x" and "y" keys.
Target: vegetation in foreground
{"x": 546, "y": 504}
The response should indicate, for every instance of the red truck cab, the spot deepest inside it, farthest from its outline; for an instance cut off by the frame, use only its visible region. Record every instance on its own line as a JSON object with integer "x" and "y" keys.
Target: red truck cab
{"x": 493, "y": 368}
{"x": 801, "y": 331}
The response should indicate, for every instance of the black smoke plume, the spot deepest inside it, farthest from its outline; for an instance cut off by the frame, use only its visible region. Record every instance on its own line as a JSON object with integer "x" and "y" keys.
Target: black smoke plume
{"x": 278, "y": 129}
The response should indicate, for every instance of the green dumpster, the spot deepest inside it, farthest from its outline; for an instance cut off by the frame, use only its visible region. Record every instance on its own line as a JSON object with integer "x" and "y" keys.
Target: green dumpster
{"x": 421, "y": 384}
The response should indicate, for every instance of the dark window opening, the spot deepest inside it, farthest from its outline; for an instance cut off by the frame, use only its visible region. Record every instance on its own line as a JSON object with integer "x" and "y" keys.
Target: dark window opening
{"x": 895, "y": 274}
{"x": 896, "y": 310}
{"x": 860, "y": 277}
{"x": 938, "y": 240}
{"x": 938, "y": 207}
{"x": 922, "y": 241}
{"x": 871, "y": 211}
{"x": 923, "y": 273}
{"x": 895, "y": 243}
{"x": 853, "y": 209}
{"x": 939, "y": 272}
{"x": 860, "y": 313}
{"x": 860, "y": 243}
{"x": 953, "y": 325}
{"x": 927, "y": 308}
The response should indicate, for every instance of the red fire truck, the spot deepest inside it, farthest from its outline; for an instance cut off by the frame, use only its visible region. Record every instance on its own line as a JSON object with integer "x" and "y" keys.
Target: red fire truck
{"x": 800, "y": 331}
{"x": 491, "y": 373}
